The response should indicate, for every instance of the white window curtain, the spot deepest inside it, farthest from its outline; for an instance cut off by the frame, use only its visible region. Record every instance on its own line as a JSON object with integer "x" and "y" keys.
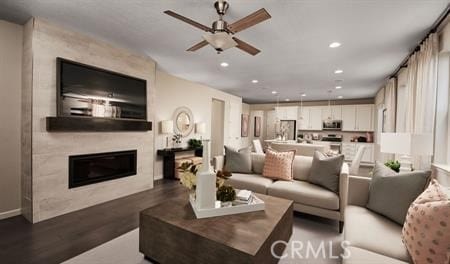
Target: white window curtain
{"x": 421, "y": 93}
{"x": 390, "y": 101}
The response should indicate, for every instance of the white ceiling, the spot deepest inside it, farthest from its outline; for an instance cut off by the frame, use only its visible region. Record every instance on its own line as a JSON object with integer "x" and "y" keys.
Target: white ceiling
{"x": 376, "y": 35}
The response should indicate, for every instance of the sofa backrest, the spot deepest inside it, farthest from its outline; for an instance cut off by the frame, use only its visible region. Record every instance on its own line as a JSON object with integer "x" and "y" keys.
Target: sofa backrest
{"x": 301, "y": 165}
{"x": 301, "y": 149}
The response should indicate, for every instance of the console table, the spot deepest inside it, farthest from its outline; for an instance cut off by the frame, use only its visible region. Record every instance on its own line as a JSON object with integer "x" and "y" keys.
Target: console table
{"x": 169, "y": 159}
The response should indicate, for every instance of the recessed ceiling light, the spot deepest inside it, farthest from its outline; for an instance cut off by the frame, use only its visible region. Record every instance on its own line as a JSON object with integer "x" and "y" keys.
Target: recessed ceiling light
{"x": 338, "y": 87}
{"x": 340, "y": 97}
{"x": 224, "y": 64}
{"x": 335, "y": 45}
{"x": 338, "y": 71}
{"x": 303, "y": 95}
{"x": 287, "y": 99}
{"x": 254, "y": 81}
{"x": 274, "y": 92}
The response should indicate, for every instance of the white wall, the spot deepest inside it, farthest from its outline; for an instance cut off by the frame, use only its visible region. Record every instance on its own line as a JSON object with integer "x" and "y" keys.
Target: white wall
{"x": 10, "y": 111}
{"x": 173, "y": 92}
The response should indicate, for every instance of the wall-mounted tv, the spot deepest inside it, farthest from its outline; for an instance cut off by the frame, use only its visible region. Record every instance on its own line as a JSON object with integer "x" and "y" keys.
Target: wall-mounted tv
{"x": 87, "y": 91}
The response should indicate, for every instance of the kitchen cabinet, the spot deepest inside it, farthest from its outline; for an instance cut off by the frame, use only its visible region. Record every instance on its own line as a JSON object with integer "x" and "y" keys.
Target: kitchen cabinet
{"x": 287, "y": 112}
{"x": 349, "y": 150}
{"x": 311, "y": 118}
{"x": 357, "y": 118}
{"x": 335, "y": 113}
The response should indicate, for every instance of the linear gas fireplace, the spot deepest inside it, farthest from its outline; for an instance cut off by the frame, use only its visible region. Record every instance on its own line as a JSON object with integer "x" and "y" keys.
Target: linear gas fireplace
{"x": 98, "y": 167}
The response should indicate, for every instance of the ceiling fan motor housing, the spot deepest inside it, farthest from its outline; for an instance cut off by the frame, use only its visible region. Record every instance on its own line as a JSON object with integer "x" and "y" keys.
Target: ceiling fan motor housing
{"x": 219, "y": 26}
{"x": 221, "y": 7}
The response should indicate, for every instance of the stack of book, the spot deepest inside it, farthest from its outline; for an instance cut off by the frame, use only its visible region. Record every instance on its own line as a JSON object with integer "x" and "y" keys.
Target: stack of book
{"x": 243, "y": 197}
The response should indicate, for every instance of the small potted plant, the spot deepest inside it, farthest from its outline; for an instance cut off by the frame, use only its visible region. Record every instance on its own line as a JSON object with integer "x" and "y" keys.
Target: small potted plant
{"x": 195, "y": 143}
{"x": 393, "y": 164}
{"x": 176, "y": 139}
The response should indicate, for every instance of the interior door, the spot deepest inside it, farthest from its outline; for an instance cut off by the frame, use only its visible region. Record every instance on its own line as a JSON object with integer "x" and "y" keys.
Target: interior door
{"x": 217, "y": 127}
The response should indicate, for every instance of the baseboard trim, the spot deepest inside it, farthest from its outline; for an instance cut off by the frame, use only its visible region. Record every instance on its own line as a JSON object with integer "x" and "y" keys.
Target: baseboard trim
{"x": 8, "y": 214}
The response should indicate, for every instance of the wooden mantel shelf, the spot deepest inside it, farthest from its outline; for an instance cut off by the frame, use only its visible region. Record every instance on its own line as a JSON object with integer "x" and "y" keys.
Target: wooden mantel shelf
{"x": 95, "y": 124}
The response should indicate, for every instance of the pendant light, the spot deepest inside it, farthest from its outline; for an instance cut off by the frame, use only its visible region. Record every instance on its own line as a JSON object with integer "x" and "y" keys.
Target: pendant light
{"x": 301, "y": 106}
{"x": 329, "y": 119}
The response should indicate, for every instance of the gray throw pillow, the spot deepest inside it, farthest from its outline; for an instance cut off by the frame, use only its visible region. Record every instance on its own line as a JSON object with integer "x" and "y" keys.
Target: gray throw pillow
{"x": 391, "y": 193}
{"x": 239, "y": 161}
{"x": 325, "y": 171}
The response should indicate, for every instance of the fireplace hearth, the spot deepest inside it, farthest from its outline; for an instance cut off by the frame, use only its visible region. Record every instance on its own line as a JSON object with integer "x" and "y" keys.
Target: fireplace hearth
{"x": 99, "y": 167}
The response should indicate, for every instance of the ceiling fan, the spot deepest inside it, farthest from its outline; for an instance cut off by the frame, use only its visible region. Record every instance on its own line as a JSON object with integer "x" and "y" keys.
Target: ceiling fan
{"x": 221, "y": 34}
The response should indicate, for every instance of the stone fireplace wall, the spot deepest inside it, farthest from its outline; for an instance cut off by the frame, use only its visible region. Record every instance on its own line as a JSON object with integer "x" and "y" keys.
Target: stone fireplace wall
{"x": 45, "y": 155}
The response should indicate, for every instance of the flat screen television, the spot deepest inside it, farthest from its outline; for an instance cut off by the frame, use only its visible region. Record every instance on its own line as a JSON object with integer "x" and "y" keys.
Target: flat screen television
{"x": 87, "y": 91}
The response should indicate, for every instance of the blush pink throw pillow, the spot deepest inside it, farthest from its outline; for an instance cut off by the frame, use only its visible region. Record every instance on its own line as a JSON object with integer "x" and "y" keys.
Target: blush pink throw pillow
{"x": 278, "y": 165}
{"x": 426, "y": 231}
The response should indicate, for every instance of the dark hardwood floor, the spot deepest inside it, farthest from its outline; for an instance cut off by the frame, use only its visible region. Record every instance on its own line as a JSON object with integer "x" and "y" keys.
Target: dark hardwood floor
{"x": 63, "y": 237}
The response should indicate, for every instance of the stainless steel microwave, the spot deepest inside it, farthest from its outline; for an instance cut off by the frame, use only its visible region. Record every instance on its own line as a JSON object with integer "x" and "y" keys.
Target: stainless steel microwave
{"x": 332, "y": 125}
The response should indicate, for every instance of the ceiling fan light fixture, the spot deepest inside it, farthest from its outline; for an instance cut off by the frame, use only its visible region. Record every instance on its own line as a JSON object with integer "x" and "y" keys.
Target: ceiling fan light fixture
{"x": 220, "y": 41}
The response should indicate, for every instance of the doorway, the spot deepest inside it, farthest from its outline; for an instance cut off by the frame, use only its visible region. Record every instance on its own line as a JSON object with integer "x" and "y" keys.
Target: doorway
{"x": 217, "y": 127}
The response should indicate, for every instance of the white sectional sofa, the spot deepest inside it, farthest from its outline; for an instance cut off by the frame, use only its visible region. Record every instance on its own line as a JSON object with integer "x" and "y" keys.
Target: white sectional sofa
{"x": 373, "y": 238}
{"x": 307, "y": 197}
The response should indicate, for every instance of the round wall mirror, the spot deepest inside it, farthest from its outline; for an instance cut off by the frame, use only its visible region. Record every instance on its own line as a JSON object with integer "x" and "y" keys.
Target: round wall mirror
{"x": 184, "y": 121}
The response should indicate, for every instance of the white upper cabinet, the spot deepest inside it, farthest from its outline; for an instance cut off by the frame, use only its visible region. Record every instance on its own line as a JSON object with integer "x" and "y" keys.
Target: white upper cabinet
{"x": 349, "y": 117}
{"x": 364, "y": 117}
{"x": 287, "y": 112}
{"x": 311, "y": 118}
{"x": 335, "y": 113}
{"x": 357, "y": 118}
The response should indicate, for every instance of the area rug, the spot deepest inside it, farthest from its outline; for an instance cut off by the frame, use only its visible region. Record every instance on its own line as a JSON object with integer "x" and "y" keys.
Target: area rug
{"x": 314, "y": 241}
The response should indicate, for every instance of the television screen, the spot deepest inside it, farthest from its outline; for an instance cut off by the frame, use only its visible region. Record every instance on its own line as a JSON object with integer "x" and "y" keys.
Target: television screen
{"x": 92, "y": 92}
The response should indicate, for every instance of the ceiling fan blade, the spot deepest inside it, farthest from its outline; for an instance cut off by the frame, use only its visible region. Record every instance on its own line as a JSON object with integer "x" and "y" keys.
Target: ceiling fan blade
{"x": 249, "y": 21}
{"x": 197, "y": 46}
{"x": 246, "y": 47}
{"x": 188, "y": 20}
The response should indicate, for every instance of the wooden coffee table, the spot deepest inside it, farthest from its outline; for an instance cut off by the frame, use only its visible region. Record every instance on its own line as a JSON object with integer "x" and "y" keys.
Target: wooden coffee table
{"x": 170, "y": 233}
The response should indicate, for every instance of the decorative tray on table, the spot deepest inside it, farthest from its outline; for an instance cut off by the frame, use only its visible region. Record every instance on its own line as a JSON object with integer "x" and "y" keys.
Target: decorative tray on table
{"x": 254, "y": 204}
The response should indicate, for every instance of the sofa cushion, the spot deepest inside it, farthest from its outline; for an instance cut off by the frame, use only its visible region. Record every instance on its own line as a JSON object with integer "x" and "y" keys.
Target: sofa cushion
{"x": 305, "y": 193}
{"x": 370, "y": 231}
{"x": 278, "y": 165}
{"x": 302, "y": 167}
{"x": 391, "y": 194}
{"x": 258, "y": 162}
{"x": 238, "y": 160}
{"x": 426, "y": 232}
{"x": 362, "y": 256}
{"x": 325, "y": 171}
{"x": 252, "y": 182}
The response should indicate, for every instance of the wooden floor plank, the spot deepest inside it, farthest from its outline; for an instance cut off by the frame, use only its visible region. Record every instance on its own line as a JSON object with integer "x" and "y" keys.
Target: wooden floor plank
{"x": 63, "y": 237}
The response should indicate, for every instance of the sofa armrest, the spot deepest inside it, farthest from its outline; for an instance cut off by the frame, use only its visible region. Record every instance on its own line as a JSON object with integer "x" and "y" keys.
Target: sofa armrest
{"x": 358, "y": 190}
{"x": 343, "y": 188}
{"x": 218, "y": 162}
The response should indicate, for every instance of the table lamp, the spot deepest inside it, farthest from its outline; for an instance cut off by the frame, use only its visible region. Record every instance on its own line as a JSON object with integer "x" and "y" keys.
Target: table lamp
{"x": 167, "y": 129}
{"x": 407, "y": 145}
{"x": 200, "y": 128}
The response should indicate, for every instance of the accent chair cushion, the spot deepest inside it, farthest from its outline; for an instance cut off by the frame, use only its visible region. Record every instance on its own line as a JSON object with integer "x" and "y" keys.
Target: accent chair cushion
{"x": 238, "y": 161}
{"x": 325, "y": 171}
{"x": 391, "y": 194}
{"x": 373, "y": 232}
{"x": 278, "y": 165}
{"x": 426, "y": 232}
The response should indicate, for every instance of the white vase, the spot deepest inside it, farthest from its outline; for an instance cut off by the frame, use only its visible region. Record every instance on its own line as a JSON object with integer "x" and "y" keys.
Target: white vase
{"x": 206, "y": 182}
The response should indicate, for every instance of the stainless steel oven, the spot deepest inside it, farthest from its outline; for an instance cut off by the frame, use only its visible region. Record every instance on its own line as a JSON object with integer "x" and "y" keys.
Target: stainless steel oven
{"x": 332, "y": 125}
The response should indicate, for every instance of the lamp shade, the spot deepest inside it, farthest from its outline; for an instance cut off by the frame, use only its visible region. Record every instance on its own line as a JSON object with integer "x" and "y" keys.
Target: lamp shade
{"x": 200, "y": 128}
{"x": 167, "y": 127}
{"x": 407, "y": 143}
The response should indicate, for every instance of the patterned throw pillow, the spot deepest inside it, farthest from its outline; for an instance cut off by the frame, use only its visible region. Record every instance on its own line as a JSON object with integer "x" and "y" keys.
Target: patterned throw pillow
{"x": 278, "y": 165}
{"x": 426, "y": 231}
